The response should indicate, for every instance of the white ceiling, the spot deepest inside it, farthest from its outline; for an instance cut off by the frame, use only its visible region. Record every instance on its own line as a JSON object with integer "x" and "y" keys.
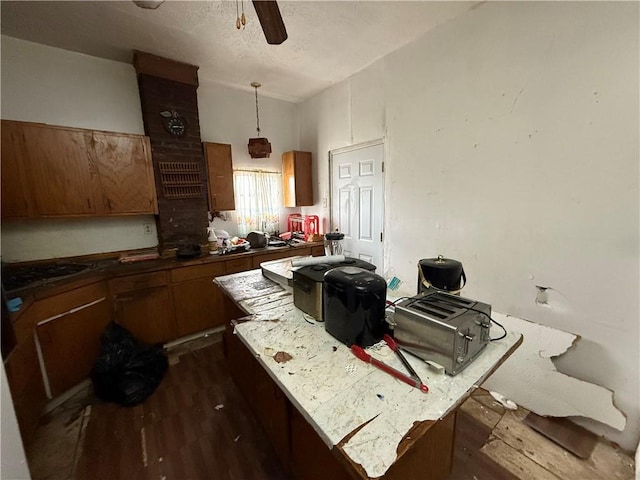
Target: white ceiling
{"x": 328, "y": 41}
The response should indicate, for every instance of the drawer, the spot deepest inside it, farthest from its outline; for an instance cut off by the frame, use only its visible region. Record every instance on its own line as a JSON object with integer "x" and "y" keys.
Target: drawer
{"x": 138, "y": 282}
{"x": 267, "y": 257}
{"x": 214, "y": 269}
{"x": 238, "y": 265}
{"x": 317, "y": 251}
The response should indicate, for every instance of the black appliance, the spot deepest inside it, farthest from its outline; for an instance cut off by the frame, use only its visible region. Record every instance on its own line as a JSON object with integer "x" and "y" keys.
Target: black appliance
{"x": 354, "y": 302}
{"x": 257, "y": 239}
{"x": 441, "y": 273}
{"x": 308, "y": 286}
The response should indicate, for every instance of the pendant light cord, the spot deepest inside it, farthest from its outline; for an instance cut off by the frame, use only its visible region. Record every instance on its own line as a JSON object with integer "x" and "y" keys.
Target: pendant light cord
{"x": 257, "y": 116}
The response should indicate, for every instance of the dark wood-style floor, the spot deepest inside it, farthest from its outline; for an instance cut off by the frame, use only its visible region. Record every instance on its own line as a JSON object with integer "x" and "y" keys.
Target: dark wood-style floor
{"x": 197, "y": 426}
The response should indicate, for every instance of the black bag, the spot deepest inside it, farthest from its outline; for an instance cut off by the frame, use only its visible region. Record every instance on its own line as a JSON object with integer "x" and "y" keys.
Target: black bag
{"x": 127, "y": 371}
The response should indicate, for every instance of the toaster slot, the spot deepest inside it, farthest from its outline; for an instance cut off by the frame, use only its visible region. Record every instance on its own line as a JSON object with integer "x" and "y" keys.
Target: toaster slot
{"x": 429, "y": 311}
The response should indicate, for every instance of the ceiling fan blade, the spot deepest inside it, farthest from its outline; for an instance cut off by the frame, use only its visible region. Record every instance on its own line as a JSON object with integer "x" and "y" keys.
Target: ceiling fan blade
{"x": 271, "y": 21}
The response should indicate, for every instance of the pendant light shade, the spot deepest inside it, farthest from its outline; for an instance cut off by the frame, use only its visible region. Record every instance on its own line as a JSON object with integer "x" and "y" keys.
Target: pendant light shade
{"x": 258, "y": 147}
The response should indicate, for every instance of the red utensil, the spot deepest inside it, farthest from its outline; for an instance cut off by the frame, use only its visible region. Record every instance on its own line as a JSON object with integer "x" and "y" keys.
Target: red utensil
{"x": 412, "y": 379}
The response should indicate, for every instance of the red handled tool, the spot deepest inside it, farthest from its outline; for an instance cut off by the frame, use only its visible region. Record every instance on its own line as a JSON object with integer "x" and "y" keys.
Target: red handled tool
{"x": 413, "y": 379}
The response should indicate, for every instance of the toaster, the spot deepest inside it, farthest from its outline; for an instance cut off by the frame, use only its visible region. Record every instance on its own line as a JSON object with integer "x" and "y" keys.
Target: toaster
{"x": 354, "y": 303}
{"x": 446, "y": 329}
{"x": 308, "y": 284}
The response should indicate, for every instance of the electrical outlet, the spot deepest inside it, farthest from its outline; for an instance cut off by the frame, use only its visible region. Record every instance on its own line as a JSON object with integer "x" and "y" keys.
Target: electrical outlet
{"x": 324, "y": 203}
{"x": 147, "y": 228}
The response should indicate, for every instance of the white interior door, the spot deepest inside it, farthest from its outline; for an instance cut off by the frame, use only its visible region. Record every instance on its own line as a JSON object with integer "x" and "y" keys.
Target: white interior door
{"x": 357, "y": 201}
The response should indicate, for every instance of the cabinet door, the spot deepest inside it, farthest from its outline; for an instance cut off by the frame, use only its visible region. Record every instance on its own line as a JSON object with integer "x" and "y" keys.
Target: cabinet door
{"x": 126, "y": 173}
{"x": 198, "y": 306}
{"x": 62, "y": 178}
{"x": 16, "y": 195}
{"x": 296, "y": 179}
{"x": 197, "y": 300}
{"x": 147, "y": 314}
{"x": 220, "y": 176}
{"x": 266, "y": 400}
{"x": 70, "y": 343}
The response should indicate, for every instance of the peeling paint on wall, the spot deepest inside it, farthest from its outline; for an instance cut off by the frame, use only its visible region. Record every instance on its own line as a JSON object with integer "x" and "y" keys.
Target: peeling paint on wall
{"x": 530, "y": 378}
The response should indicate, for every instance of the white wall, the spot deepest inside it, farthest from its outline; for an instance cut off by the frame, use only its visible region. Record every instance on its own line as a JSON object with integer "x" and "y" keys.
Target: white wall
{"x": 54, "y": 86}
{"x": 50, "y": 85}
{"x": 229, "y": 116}
{"x": 512, "y": 139}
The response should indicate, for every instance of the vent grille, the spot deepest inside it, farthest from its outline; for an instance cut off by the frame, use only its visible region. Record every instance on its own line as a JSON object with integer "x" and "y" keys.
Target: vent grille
{"x": 181, "y": 179}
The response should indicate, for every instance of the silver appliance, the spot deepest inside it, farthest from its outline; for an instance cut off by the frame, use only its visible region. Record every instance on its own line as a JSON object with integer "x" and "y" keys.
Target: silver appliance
{"x": 446, "y": 329}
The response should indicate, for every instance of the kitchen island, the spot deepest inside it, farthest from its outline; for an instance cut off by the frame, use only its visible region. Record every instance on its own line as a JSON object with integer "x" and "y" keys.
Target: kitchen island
{"x": 328, "y": 414}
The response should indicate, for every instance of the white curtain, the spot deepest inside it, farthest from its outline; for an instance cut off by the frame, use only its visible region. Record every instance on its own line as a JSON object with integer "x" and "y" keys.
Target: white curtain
{"x": 258, "y": 199}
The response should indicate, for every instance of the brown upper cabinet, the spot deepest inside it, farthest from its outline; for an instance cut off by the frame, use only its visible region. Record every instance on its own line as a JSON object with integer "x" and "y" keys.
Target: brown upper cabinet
{"x": 296, "y": 177}
{"x": 220, "y": 176}
{"x": 50, "y": 171}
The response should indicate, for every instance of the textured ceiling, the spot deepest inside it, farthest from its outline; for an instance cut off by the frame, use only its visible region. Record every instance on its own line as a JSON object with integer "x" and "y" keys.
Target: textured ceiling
{"x": 328, "y": 41}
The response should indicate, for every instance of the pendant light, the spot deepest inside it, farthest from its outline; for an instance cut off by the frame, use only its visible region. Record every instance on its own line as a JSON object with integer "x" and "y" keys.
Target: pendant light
{"x": 258, "y": 147}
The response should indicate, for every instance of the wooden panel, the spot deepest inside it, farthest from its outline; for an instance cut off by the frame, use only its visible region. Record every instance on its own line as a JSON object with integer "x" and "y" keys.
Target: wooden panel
{"x": 126, "y": 173}
{"x": 148, "y": 64}
{"x": 70, "y": 345}
{"x": 16, "y": 195}
{"x": 272, "y": 410}
{"x": 297, "y": 184}
{"x": 62, "y": 179}
{"x": 137, "y": 282}
{"x": 238, "y": 265}
{"x": 198, "y": 305}
{"x": 304, "y": 182}
{"x": 317, "y": 251}
{"x": 431, "y": 454}
{"x": 220, "y": 176}
{"x": 267, "y": 257}
{"x": 55, "y": 305}
{"x": 27, "y": 388}
{"x": 147, "y": 314}
{"x": 211, "y": 270}
{"x": 311, "y": 459}
{"x": 288, "y": 179}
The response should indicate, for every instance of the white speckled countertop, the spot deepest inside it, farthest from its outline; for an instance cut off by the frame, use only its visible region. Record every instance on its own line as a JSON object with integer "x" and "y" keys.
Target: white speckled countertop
{"x": 335, "y": 391}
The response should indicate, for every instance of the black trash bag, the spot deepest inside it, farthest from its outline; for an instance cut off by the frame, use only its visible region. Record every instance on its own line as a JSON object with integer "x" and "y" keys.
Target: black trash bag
{"x": 127, "y": 370}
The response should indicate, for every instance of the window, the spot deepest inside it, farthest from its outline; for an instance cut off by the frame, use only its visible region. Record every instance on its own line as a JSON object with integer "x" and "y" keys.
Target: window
{"x": 258, "y": 200}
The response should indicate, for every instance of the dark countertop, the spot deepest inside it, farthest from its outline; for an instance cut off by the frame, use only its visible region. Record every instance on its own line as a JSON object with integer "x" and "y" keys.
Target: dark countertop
{"x": 46, "y": 278}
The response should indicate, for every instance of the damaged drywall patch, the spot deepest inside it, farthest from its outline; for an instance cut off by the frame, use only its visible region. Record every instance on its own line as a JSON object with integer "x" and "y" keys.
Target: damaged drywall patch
{"x": 530, "y": 378}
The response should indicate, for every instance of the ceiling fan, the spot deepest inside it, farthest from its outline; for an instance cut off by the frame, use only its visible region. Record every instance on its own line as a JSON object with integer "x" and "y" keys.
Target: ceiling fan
{"x": 271, "y": 21}
{"x": 268, "y": 14}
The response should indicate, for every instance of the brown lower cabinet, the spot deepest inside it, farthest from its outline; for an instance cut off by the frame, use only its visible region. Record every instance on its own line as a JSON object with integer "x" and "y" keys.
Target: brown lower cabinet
{"x": 197, "y": 300}
{"x": 156, "y": 307}
{"x": 143, "y": 305}
{"x": 272, "y": 410}
{"x": 70, "y": 344}
{"x": 67, "y": 327}
{"x": 300, "y": 450}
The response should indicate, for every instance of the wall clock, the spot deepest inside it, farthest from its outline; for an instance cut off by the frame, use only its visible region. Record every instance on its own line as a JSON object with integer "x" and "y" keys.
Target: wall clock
{"x": 174, "y": 123}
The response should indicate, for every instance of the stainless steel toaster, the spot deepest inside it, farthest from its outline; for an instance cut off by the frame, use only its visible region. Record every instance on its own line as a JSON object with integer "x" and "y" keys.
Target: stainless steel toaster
{"x": 446, "y": 329}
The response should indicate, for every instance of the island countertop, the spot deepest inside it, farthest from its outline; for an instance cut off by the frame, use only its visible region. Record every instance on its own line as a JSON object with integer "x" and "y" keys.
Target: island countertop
{"x": 363, "y": 412}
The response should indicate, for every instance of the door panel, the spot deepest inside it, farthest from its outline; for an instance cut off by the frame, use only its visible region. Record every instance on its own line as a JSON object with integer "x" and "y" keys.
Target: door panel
{"x": 64, "y": 181}
{"x": 126, "y": 173}
{"x": 357, "y": 202}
